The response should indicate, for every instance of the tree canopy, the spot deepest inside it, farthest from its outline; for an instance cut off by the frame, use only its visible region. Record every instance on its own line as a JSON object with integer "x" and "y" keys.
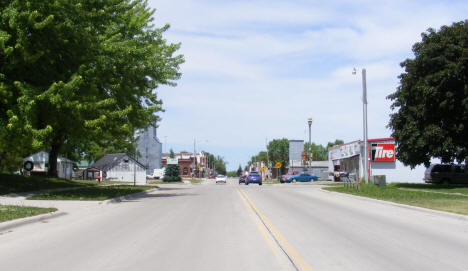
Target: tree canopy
{"x": 278, "y": 151}
{"x": 216, "y": 163}
{"x": 78, "y": 76}
{"x": 320, "y": 152}
{"x": 431, "y": 102}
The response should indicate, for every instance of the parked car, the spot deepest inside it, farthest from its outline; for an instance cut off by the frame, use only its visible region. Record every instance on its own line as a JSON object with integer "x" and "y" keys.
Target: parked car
{"x": 253, "y": 177}
{"x": 446, "y": 174}
{"x": 212, "y": 176}
{"x": 242, "y": 179}
{"x": 301, "y": 177}
{"x": 285, "y": 176}
{"x": 158, "y": 173}
{"x": 221, "y": 178}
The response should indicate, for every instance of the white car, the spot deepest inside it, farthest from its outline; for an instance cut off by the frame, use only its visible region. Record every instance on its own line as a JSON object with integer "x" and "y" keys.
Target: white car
{"x": 221, "y": 178}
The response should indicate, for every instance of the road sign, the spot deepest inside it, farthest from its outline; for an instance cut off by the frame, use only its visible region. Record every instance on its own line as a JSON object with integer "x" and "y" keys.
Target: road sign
{"x": 263, "y": 169}
{"x": 278, "y": 165}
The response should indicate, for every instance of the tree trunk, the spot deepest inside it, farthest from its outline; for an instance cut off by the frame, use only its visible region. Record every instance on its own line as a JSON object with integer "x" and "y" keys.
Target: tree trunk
{"x": 53, "y": 154}
{"x": 2, "y": 158}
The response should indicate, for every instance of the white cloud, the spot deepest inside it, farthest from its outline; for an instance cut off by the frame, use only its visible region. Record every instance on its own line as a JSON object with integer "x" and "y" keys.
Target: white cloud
{"x": 259, "y": 69}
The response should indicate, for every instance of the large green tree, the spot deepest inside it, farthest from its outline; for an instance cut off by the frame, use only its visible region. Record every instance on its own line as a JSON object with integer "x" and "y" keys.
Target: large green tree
{"x": 278, "y": 151}
{"x": 77, "y": 75}
{"x": 431, "y": 102}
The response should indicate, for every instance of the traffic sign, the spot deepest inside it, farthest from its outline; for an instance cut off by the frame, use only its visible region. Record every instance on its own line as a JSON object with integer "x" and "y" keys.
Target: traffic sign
{"x": 263, "y": 169}
{"x": 278, "y": 165}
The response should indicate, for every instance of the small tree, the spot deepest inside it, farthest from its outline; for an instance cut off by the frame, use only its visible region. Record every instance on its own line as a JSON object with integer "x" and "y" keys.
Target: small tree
{"x": 239, "y": 171}
{"x": 172, "y": 174}
{"x": 172, "y": 171}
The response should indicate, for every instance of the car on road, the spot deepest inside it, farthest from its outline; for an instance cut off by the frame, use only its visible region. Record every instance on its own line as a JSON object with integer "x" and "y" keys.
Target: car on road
{"x": 242, "y": 179}
{"x": 285, "y": 176}
{"x": 253, "y": 177}
{"x": 221, "y": 178}
{"x": 446, "y": 174}
{"x": 301, "y": 177}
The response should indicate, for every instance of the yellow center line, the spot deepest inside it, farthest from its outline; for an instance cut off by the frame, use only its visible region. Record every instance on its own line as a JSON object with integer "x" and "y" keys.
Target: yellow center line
{"x": 261, "y": 228}
{"x": 292, "y": 253}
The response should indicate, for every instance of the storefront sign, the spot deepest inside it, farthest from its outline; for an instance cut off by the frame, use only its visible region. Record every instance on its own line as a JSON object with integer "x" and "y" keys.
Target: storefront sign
{"x": 350, "y": 150}
{"x": 345, "y": 151}
{"x": 172, "y": 161}
{"x": 383, "y": 152}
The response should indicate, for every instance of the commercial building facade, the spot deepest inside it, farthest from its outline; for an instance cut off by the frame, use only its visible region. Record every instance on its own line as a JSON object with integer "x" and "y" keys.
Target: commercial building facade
{"x": 349, "y": 157}
{"x": 190, "y": 165}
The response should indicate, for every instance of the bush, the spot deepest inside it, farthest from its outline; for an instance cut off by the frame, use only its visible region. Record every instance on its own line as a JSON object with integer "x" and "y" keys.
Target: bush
{"x": 172, "y": 174}
{"x": 172, "y": 179}
{"x": 232, "y": 174}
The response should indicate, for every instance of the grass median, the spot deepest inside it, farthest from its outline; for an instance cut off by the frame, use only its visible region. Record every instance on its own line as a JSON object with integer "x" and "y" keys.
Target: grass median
{"x": 97, "y": 193}
{"x": 450, "y": 198}
{"x": 17, "y": 183}
{"x": 10, "y": 212}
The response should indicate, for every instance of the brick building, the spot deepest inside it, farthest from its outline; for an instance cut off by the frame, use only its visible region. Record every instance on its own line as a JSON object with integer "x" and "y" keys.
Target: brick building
{"x": 189, "y": 164}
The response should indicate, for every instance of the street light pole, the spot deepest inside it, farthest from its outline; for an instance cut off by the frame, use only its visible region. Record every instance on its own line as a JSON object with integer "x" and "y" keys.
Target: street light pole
{"x": 309, "y": 121}
{"x": 364, "y": 122}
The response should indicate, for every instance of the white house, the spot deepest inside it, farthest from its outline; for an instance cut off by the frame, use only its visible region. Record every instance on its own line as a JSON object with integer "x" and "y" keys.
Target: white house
{"x": 39, "y": 162}
{"x": 117, "y": 167}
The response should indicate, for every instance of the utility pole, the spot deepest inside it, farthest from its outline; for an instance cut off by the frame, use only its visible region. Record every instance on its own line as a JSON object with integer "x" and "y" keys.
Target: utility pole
{"x": 364, "y": 124}
{"x": 268, "y": 158}
{"x": 194, "y": 158}
{"x": 134, "y": 167}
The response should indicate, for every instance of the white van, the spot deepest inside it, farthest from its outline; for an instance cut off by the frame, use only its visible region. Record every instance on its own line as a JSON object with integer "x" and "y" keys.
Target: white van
{"x": 158, "y": 173}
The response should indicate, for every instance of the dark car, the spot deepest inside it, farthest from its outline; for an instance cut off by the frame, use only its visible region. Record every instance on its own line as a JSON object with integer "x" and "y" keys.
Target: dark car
{"x": 242, "y": 179}
{"x": 446, "y": 174}
{"x": 253, "y": 177}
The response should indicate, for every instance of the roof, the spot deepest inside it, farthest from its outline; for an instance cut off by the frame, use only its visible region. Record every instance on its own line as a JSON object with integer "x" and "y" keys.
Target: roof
{"x": 108, "y": 161}
{"x": 381, "y": 139}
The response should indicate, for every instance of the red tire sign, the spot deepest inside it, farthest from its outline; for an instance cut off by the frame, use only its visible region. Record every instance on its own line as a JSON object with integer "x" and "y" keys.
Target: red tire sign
{"x": 383, "y": 152}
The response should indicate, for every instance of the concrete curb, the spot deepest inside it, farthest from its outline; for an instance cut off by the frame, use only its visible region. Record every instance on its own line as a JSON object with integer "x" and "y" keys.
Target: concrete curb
{"x": 7, "y": 225}
{"x": 128, "y": 197}
{"x": 416, "y": 208}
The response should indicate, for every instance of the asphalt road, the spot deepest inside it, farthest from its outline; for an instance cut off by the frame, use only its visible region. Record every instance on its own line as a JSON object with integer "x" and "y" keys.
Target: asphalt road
{"x": 238, "y": 227}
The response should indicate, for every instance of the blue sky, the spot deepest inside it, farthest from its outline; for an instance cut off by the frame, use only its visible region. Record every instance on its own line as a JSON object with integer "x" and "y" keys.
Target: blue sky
{"x": 256, "y": 70}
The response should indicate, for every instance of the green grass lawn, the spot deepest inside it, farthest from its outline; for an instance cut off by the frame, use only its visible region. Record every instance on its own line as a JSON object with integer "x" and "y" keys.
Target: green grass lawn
{"x": 441, "y": 188}
{"x": 415, "y": 194}
{"x": 195, "y": 181}
{"x": 10, "y": 212}
{"x": 92, "y": 193}
{"x": 17, "y": 183}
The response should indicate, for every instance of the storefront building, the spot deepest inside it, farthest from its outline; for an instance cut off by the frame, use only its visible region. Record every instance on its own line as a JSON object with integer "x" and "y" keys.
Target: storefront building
{"x": 349, "y": 158}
